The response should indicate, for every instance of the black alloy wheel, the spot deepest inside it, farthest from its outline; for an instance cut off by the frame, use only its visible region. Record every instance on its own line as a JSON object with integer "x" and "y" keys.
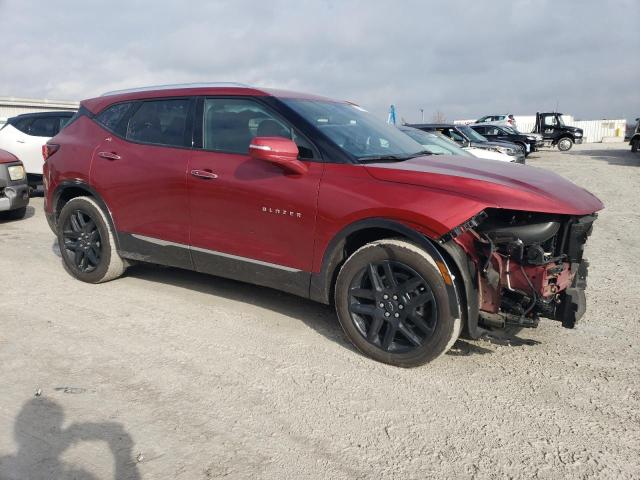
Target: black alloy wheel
{"x": 392, "y": 306}
{"x": 82, "y": 241}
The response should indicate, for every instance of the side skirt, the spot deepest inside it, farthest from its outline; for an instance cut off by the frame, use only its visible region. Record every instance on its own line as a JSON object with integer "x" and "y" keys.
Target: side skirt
{"x": 257, "y": 272}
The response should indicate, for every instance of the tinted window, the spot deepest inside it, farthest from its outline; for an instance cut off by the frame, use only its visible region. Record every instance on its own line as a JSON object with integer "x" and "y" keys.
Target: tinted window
{"x": 161, "y": 122}
{"x": 22, "y": 124}
{"x": 112, "y": 116}
{"x": 44, "y": 127}
{"x": 481, "y": 130}
{"x": 230, "y": 124}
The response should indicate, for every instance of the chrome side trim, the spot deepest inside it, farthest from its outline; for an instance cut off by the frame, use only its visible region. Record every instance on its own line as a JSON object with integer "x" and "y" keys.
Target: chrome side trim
{"x": 166, "y": 243}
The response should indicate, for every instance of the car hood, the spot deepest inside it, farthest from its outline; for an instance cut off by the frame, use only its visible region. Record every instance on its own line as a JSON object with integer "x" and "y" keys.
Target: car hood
{"x": 6, "y": 157}
{"x": 495, "y": 184}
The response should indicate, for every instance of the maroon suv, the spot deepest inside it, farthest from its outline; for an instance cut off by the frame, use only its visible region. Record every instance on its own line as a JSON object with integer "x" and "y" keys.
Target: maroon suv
{"x": 318, "y": 198}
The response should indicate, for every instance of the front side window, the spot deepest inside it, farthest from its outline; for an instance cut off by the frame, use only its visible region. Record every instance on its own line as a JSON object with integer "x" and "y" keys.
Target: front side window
{"x": 356, "y": 131}
{"x": 160, "y": 122}
{"x": 44, "y": 127}
{"x": 229, "y": 124}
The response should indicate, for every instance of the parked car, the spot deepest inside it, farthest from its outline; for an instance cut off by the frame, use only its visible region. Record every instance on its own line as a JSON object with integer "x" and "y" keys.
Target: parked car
{"x": 25, "y": 135}
{"x": 321, "y": 199}
{"x": 634, "y": 141}
{"x": 438, "y": 144}
{"x": 14, "y": 192}
{"x": 503, "y": 119}
{"x": 555, "y": 132}
{"x": 466, "y": 136}
{"x": 528, "y": 143}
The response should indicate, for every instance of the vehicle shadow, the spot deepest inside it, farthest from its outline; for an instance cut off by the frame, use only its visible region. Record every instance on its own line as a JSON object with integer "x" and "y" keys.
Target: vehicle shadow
{"x": 321, "y": 318}
{"x": 622, "y": 156}
{"x": 31, "y": 211}
{"x": 42, "y": 440}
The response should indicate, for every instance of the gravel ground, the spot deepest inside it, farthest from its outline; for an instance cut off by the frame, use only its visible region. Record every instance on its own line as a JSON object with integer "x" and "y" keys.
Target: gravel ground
{"x": 172, "y": 374}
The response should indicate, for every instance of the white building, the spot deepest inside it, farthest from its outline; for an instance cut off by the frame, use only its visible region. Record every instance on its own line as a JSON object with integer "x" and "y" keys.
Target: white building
{"x": 12, "y": 106}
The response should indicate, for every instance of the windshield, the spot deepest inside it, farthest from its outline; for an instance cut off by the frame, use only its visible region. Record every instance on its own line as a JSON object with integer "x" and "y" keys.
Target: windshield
{"x": 436, "y": 144}
{"x": 356, "y": 131}
{"x": 561, "y": 121}
{"x": 471, "y": 134}
{"x": 511, "y": 130}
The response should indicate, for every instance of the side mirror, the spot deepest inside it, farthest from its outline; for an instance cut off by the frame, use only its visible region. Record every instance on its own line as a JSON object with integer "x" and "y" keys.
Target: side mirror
{"x": 279, "y": 151}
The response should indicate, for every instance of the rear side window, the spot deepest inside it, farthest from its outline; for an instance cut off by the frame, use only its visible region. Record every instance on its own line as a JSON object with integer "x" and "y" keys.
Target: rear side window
{"x": 160, "y": 122}
{"x": 44, "y": 127}
{"x": 22, "y": 124}
{"x": 112, "y": 117}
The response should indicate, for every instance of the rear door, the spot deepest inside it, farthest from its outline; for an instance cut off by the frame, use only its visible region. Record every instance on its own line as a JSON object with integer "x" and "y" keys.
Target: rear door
{"x": 140, "y": 169}
{"x": 250, "y": 215}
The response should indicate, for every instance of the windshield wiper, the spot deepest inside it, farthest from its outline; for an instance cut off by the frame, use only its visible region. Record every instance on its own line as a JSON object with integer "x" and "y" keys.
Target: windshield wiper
{"x": 391, "y": 158}
{"x": 381, "y": 158}
{"x": 420, "y": 154}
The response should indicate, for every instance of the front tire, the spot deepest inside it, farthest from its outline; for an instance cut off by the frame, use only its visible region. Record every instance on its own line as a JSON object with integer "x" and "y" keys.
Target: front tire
{"x": 86, "y": 241}
{"x": 565, "y": 144}
{"x": 635, "y": 145}
{"x": 392, "y": 303}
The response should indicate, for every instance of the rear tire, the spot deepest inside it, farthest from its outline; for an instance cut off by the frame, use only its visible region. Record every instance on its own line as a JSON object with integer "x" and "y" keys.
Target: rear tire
{"x": 86, "y": 241}
{"x": 17, "y": 214}
{"x": 565, "y": 144}
{"x": 393, "y": 305}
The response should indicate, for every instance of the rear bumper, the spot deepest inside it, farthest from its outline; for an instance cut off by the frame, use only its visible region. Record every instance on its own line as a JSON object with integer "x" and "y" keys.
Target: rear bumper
{"x": 14, "y": 197}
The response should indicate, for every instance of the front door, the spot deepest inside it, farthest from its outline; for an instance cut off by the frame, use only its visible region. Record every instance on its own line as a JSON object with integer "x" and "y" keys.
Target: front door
{"x": 250, "y": 219}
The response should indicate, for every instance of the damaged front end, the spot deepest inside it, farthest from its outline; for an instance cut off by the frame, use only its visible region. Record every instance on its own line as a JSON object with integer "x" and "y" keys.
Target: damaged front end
{"x": 523, "y": 266}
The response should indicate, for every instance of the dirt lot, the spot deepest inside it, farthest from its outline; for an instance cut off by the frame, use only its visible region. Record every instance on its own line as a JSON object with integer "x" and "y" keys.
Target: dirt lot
{"x": 173, "y": 374}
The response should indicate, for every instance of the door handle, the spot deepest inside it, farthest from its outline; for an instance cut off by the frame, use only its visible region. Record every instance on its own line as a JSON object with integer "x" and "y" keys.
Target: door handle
{"x": 204, "y": 174}
{"x": 20, "y": 141}
{"x": 109, "y": 155}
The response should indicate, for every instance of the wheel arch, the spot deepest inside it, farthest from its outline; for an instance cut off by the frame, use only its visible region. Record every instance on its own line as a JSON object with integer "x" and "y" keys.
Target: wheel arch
{"x": 359, "y": 233}
{"x": 70, "y": 189}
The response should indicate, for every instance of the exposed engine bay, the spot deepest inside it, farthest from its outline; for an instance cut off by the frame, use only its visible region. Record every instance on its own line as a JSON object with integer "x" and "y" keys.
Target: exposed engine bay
{"x": 529, "y": 265}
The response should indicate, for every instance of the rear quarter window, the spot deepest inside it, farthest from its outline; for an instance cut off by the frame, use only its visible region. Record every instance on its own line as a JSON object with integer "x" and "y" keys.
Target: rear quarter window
{"x": 111, "y": 118}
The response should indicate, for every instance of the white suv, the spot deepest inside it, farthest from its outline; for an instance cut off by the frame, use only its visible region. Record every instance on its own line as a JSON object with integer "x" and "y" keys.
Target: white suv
{"x": 24, "y": 136}
{"x": 503, "y": 119}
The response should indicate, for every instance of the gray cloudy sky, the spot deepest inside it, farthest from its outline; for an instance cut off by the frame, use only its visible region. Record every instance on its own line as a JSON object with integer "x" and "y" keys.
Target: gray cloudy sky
{"x": 464, "y": 58}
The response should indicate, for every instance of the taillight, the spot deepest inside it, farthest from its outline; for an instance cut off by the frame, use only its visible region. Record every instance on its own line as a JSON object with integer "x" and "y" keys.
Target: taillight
{"x": 49, "y": 149}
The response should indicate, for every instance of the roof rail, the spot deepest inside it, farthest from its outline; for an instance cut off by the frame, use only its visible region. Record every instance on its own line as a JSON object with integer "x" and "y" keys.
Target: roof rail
{"x": 177, "y": 85}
